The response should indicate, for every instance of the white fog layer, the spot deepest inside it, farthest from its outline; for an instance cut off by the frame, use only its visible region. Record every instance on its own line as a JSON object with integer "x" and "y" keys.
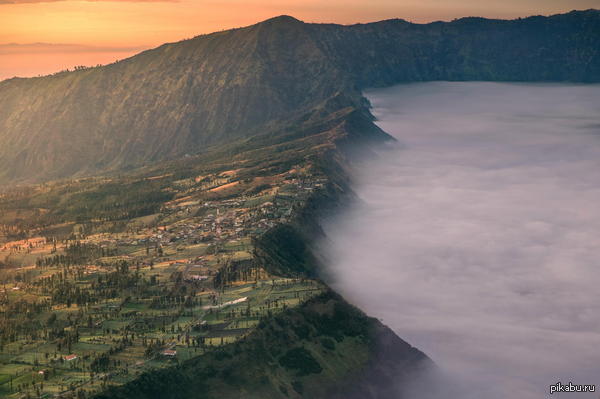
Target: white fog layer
{"x": 478, "y": 236}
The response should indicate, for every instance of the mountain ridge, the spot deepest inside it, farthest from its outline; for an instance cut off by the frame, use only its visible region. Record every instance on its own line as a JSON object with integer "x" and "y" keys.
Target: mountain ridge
{"x": 185, "y": 97}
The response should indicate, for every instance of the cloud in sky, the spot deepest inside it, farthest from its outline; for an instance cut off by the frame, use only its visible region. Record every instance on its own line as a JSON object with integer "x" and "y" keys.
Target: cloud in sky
{"x": 477, "y": 239}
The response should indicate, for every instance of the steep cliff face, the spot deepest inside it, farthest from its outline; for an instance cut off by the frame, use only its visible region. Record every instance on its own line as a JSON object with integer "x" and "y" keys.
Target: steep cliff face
{"x": 184, "y": 97}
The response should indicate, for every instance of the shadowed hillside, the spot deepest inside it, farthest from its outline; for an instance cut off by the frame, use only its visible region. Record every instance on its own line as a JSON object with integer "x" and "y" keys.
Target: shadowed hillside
{"x": 337, "y": 352}
{"x": 183, "y": 97}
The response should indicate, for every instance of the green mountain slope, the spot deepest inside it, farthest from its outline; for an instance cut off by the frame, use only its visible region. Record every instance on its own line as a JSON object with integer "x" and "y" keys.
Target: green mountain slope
{"x": 324, "y": 349}
{"x": 312, "y": 344}
{"x": 184, "y": 97}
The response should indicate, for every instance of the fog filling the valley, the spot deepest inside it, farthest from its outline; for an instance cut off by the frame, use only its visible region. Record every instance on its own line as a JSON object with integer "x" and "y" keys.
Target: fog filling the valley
{"x": 478, "y": 236}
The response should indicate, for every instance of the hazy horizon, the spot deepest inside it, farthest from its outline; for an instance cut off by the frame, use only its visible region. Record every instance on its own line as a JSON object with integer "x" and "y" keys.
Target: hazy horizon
{"x": 477, "y": 233}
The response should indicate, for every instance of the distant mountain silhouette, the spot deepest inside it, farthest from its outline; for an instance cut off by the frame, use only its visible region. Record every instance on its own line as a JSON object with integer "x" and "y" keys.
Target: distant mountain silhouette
{"x": 184, "y": 97}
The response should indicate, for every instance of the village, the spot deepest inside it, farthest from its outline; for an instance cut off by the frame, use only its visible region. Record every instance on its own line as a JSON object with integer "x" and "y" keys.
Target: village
{"x": 95, "y": 308}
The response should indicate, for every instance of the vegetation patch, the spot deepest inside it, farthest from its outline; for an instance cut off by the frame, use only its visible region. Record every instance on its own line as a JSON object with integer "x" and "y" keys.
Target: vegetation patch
{"x": 301, "y": 361}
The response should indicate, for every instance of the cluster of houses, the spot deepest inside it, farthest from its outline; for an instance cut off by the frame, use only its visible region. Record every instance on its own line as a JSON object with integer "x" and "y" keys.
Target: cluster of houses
{"x": 24, "y": 245}
{"x": 227, "y": 220}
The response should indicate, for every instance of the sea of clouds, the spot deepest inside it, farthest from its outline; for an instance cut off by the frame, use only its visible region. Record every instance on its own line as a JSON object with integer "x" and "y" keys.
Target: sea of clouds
{"x": 477, "y": 238}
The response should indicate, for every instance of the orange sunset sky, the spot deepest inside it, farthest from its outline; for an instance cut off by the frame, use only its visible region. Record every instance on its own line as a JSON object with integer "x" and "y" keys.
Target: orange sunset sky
{"x": 44, "y": 36}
